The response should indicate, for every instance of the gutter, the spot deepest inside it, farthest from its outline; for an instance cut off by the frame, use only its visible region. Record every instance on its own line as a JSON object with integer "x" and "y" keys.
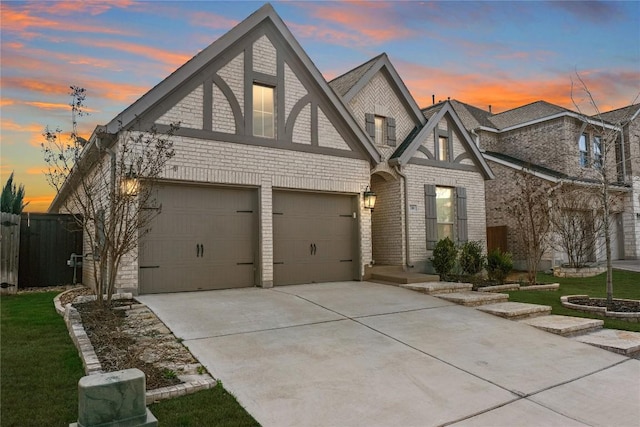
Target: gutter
{"x": 406, "y": 217}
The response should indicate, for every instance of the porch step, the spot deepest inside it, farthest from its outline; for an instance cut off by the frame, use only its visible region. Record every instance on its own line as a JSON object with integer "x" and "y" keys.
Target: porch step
{"x": 432, "y": 288}
{"x": 566, "y": 326}
{"x": 516, "y": 310}
{"x": 473, "y": 299}
{"x": 622, "y": 342}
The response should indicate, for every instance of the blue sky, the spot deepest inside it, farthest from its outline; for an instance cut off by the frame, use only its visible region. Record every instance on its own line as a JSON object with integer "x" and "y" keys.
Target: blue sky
{"x": 503, "y": 54}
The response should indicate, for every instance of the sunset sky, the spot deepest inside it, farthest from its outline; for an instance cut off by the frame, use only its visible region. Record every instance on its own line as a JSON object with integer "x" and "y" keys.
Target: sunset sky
{"x": 503, "y": 54}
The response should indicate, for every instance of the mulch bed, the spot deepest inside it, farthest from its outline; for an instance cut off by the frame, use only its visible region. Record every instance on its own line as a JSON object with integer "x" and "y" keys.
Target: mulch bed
{"x": 618, "y": 305}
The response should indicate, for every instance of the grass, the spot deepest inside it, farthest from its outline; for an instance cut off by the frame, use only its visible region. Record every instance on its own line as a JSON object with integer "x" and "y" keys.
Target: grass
{"x": 626, "y": 285}
{"x": 41, "y": 369}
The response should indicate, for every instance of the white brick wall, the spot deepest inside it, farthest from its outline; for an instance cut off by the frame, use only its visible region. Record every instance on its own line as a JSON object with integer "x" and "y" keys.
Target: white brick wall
{"x": 233, "y": 76}
{"x": 387, "y": 221}
{"x": 188, "y": 111}
{"x": 222, "y": 119}
{"x": 418, "y": 176}
{"x": 302, "y": 128}
{"x": 328, "y": 136}
{"x": 293, "y": 89}
{"x": 378, "y": 92}
{"x": 264, "y": 56}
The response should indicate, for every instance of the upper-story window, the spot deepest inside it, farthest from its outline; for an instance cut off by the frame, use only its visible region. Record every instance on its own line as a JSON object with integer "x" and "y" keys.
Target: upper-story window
{"x": 444, "y": 153}
{"x": 597, "y": 152}
{"x": 381, "y": 129}
{"x": 584, "y": 153}
{"x": 263, "y": 111}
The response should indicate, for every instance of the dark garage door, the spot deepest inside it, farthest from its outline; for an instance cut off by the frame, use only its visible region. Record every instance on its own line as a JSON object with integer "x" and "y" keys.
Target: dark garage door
{"x": 204, "y": 238}
{"x": 314, "y": 237}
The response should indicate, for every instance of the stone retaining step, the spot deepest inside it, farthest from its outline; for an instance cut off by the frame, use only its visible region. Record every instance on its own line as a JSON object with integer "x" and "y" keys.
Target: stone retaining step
{"x": 473, "y": 299}
{"x": 404, "y": 277}
{"x": 516, "y": 310}
{"x": 623, "y": 342}
{"x": 431, "y": 288}
{"x": 565, "y": 326}
{"x": 500, "y": 288}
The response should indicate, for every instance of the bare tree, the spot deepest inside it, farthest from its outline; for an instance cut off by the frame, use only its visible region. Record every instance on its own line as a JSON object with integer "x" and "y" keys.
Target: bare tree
{"x": 575, "y": 224}
{"x": 108, "y": 185}
{"x": 531, "y": 211}
{"x": 605, "y": 164}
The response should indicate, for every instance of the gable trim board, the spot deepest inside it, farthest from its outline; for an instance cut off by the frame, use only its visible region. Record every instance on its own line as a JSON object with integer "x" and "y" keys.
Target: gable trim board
{"x": 552, "y": 117}
{"x": 407, "y": 149}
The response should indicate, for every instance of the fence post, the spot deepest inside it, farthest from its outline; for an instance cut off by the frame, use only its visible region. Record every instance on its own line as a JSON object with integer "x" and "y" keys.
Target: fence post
{"x": 9, "y": 252}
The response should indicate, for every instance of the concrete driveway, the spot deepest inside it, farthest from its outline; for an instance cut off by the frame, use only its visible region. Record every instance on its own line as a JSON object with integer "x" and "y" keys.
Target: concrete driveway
{"x": 359, "y": 353}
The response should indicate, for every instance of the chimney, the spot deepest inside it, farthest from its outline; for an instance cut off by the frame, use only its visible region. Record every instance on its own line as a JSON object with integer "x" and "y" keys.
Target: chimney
{"x": 490, "y": 109}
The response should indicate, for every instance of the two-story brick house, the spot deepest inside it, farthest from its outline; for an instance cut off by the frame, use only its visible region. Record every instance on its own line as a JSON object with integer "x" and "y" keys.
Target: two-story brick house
{"x": 556, "y": 146}
{"x": 272, "y": 163}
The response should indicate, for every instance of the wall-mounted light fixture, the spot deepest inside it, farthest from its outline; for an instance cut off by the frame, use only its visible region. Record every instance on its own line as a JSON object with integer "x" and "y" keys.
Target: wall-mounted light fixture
{"x": 129, "y": 184}
{"x": 369, "y": 198}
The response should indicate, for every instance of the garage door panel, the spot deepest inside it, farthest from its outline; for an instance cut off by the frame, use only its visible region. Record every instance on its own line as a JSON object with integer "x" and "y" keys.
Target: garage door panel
{"x": 204, "y": 238}
{"x": 314, "y": 235}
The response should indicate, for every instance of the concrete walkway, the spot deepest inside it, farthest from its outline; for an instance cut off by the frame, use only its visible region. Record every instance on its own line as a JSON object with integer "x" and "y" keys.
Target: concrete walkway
{"x": 359, "y": 353}
{"x": 629, "y": 265}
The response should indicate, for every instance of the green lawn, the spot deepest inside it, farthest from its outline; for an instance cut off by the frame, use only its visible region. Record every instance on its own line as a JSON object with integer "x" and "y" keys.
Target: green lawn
{"x": 41, "y": 368}
{"x": 626, "y": 284}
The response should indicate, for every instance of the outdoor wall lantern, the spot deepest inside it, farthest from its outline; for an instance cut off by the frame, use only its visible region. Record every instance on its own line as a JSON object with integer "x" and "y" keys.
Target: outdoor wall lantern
{"x": 130, "y": 184}
{"x": 369, "y": 198}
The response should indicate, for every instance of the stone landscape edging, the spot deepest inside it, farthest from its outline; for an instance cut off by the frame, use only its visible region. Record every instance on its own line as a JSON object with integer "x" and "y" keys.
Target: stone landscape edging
{"x": 600, "y": 311}
{"x": 92, "y": 365}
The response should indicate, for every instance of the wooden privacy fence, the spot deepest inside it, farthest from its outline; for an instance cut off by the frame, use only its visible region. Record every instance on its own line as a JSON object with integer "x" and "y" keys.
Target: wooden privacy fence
{"x": 46, "y": 243}
{"x": 497, "y": 238}
{"x": 10, "y": 242}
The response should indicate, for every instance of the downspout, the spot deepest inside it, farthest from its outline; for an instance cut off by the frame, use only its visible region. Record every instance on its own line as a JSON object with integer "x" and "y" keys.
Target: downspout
{"x": 623, "y": 160}
{"x": 406, "y": 217}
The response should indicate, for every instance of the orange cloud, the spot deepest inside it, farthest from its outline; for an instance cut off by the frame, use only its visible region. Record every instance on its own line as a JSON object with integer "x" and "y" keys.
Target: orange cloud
{"x": 171, "y": 59}
{"x": 35, "y": 85}
{"x": 373, "y": 25}
{"x": 71, "y": 7}
{"x": 211, "y": 20}
{"x": 4, "y": 102}
{"x": 23, "y": 19}
{"x": 38, "y": 203}
{"x": 55, "y": 106}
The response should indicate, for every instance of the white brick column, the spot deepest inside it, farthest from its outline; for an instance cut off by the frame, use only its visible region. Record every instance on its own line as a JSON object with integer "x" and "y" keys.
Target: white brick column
{"x": 266, "y": 234}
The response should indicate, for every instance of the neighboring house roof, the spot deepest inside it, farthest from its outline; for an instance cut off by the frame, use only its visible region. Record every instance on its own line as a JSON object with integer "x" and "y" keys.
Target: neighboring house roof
{"x": 416, "y": 137}
{"x": 527, "y": 113}
{"x": 541, "y": 171}
{"x": 349, "y": 84}
{"x": 620, "y": 116}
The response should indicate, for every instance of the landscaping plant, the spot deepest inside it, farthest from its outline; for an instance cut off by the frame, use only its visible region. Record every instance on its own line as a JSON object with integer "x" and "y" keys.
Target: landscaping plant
{"x": 444, "y": 257}
{"x": 499, "y": 265}
{"x": 471, "y": 258}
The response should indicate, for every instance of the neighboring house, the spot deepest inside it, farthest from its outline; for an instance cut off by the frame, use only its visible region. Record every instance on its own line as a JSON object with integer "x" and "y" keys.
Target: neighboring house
{"x": 266, "y": 187}
{"x": 556, "y": 146}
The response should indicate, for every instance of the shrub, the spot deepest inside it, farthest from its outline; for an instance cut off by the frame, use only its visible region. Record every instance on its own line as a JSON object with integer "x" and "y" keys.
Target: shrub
{"x": 499, "y": 264}
{"x": 444, "y": 257}
{"x": 471, "y": 259}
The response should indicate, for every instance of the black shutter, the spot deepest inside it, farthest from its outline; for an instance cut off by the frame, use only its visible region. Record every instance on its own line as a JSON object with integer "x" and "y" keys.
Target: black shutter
{"x": 370, "y": 125}
{"x": 391, "y": 131}
{"x": 431, "y": 215}
{"x": 461, "y": 213}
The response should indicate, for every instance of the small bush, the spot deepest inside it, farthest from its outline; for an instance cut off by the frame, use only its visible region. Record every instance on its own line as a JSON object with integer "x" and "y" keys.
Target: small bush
{"x": 444, "y": 257}
{"x": 471, "y": 259}
{"x": 499, "y": 265}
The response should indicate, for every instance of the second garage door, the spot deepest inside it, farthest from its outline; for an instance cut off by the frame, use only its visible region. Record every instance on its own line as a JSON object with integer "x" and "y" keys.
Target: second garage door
{"x": 204, "y": 238}
{"x": 314, "y": 237}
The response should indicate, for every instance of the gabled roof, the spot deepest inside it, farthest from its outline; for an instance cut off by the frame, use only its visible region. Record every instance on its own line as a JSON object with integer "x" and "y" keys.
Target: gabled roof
{"x": 527, "y": 113}
{"x": 349, "y": 84}
{"x": 620, "y": 116}
{"x": 416, "y": 137}
{"x": 342, "y": 84}
{"x": 472, "y": 117}
{"x": 198, "y": 62}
